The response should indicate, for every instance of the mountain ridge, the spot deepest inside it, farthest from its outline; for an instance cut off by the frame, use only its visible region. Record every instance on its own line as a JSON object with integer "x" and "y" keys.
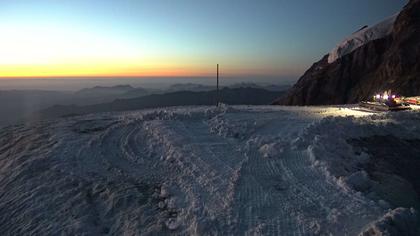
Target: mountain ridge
{"x": 388, "y": 63}
{"x": 232, "y": 96}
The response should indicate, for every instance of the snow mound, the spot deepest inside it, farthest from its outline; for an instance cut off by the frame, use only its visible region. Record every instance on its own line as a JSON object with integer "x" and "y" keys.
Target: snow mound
{"x": 270, "y": 150}
{"x": 361, "y": 38}
{"x": 358, "y": 181}
{"x": 401, "y": 221}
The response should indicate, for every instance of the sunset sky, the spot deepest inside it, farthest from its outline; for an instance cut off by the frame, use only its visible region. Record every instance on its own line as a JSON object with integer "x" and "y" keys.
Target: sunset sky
{"x": 176, "y": 37}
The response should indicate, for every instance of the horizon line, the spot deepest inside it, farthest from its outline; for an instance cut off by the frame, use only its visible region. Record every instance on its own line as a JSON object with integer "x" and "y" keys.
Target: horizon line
{"x": 144, "y": 76}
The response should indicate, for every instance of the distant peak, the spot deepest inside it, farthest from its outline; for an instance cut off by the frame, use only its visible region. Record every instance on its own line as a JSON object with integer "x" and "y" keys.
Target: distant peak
{"x": 361, "y": 37}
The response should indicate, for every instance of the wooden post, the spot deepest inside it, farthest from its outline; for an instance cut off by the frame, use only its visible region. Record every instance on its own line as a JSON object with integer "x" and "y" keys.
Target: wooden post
{"x": 217, "y": 87}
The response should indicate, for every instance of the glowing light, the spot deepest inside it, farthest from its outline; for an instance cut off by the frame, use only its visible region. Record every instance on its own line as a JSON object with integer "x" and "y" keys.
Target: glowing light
{"x": 378, "y": 96}
{"x": 393, "y": 96}
{"x": 386, "y": 97}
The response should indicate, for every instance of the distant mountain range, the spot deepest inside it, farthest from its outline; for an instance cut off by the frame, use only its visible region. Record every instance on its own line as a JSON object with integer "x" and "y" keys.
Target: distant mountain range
{"x": 17, "y": 105}
{"x": 101, "y": 90}
{"x": 202, "y": 88}
{"x": 234, "y": 96}
{"x": 372, "y": 60}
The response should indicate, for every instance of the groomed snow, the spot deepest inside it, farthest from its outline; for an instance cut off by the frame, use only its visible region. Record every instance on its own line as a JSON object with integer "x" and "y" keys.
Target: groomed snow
{"x": 361, "y": 38}
{"x": 241, "y": 170}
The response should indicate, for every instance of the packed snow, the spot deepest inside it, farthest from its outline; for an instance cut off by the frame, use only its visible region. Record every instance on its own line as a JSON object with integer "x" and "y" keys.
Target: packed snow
{"x": 361, "y": 38}
{"x": 232, "y": 170}
{"x": 396, "y": 222}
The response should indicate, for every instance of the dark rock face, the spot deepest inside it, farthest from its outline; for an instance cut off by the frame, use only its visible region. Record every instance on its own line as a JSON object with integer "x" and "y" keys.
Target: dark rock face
{"x": 392, "y": 63}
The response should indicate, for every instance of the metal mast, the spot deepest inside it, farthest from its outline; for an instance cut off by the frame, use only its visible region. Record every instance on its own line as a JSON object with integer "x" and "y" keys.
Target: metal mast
{"x": 217, "y": 87}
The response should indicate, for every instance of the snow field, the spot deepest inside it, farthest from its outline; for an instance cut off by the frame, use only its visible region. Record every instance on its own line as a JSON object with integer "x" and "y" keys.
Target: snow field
{"x": 242, "y": 170}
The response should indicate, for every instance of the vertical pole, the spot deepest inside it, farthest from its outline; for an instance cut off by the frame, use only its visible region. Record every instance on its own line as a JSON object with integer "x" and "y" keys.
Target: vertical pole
{"x": 217, "y": 94}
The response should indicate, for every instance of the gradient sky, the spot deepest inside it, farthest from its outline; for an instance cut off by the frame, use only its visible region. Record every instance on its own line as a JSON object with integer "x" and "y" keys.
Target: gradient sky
{"x": 176, "y": 37}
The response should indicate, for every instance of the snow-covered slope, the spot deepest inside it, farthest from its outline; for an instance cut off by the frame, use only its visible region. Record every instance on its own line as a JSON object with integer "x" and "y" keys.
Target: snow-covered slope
{"x": 244, "y": 170}
{"x": 362, "y": 37}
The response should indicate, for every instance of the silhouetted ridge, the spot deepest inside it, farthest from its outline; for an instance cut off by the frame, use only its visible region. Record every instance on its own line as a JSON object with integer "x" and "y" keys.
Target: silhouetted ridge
{"x": 236, "y": 96}
{"x": 387, "y": 63}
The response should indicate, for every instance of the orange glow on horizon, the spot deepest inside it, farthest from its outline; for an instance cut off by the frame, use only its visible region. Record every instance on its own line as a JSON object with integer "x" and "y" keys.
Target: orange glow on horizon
{"x": 126, "y": 70}
{"x": 32, "y": 51}
{"x": 101, "y": 70}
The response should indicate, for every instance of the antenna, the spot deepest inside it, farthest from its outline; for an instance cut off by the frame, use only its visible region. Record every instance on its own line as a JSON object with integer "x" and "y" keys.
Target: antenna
{"x": 217, "y": 87}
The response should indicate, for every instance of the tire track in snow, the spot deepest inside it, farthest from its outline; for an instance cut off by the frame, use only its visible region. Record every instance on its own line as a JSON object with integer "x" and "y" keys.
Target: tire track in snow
{"x": 279, "y": 196}
{"x": 219, "y": 185}
{"x": 259, "y": 207}
{"x": 204, "y": 168}
{"x": 286, "y": 195}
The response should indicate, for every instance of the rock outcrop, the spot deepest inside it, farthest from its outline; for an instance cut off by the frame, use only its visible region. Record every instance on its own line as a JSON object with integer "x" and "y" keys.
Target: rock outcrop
{"x": 391, "y": 62}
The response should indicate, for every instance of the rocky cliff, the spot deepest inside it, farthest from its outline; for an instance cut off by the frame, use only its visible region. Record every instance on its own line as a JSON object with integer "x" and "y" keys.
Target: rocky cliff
{"x": 390, "y": 62}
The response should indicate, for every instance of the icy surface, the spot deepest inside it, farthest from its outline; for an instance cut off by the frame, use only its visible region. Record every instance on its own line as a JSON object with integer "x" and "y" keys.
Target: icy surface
{"x": 361, "y": 38}
{"x": 243, "y": 170}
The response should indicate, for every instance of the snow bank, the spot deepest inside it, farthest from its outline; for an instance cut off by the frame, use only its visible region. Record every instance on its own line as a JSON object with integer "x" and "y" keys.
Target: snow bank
{"x": 328, "y": 144}
{"x": 327, "y": 140}
{"x": 361, "y": 38}
{"x": 359, "y": 181}
{"x": 271, "y": 150}
{"x": 401, "y": 221}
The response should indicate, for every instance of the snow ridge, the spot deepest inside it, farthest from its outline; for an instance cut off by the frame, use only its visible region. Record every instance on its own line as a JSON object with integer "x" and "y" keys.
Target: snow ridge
{"x": 361, "y": 38}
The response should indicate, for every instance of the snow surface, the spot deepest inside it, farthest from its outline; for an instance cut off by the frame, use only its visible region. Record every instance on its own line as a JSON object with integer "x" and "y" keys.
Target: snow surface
{"x": 361, "y": 38}
{"x": 400, "y": 221}
{"x": 241, "y": 170}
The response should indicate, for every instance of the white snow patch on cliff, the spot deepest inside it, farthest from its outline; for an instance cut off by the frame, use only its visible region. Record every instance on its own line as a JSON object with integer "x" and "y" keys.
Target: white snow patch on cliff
{"x": 361, "y": 38}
